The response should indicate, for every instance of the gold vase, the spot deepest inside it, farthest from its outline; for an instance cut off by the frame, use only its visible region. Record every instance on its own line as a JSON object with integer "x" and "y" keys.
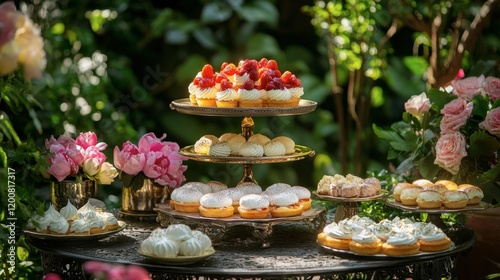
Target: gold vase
{"x": 78, "y": 193}
{"x": 144, "y": 199}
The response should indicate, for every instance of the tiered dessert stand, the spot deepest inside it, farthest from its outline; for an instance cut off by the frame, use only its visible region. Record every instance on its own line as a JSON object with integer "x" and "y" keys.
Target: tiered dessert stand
{"x": 261, "y": 229}
{"x": 349, "y": 206}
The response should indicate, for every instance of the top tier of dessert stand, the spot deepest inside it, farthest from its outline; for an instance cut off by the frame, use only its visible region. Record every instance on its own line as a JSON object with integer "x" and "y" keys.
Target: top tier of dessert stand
{"x": 261, "y": 229}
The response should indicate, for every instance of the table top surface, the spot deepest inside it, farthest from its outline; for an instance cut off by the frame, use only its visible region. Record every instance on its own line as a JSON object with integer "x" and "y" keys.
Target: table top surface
{"x": 294, "y": 251}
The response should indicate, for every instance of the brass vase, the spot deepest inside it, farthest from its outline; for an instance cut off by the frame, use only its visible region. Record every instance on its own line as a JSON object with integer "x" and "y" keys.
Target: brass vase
{"x": 78, "y": 193}
{"x": 144, "y": 199}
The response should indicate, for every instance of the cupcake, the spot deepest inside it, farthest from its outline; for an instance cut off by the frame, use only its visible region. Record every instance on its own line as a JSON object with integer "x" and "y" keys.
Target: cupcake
{"x": 249, "y": 95}
{"x": 278, "y": 95}
{"x": 226, "y": 96}
{"x": 294, "y": 85}
{"x": 205, "y": 95}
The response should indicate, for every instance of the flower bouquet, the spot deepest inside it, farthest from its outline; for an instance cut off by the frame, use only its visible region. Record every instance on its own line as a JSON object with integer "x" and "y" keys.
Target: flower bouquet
{"x": 451, "y": 133}
{"x": 79, "y": 159}
{"x": 152, "y": 158}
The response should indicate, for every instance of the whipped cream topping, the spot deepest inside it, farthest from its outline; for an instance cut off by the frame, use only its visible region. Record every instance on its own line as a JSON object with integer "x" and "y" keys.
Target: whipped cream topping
{"x": 191, "y": 247}
{"x": 59, "y": 225}
{"x": 301, "y": 192}
{"x": 253, "y": 201}
{"x": 228, "y": 94}
{"x": 192, "y": 88}
{"x": 52, "y": 214}
{"x": 401, "y": 238}
{"x": 337, "y": 231}
{"x": 278, "y": 188}
{"x": 274, "y": 148}
{"x": 179, "y": 232}
{"x": 296, "y": 92}
{"x": 430, "y": 232}
{"x": 108, "y": 218}
{"x": 365, "y": 237}
{"x": 235, "y": 194}
{"x": 201, "y": 187}
{"x": 206, "y": 93}
{"x": 188, "y": 195}
{"x": 253, "y": 94}
{"x": 249, "y": 188}
{"x": 80, "y": 226}
{"x": 238, "y": 80}
{"x": 202, "y": 145}
{"x": 279, "y": 94}
{"x": 251, "y": 149}
{"x": 284, "y": 199}
{"x": 220, "y": 149}
{"x": 69, "y": 211}
{"x": 215, "y": 200}
{"x": 384, "y": 229}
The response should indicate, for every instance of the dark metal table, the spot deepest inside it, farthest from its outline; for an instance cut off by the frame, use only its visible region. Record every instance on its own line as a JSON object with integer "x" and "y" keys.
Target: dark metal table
{"x": 294, "y": 254}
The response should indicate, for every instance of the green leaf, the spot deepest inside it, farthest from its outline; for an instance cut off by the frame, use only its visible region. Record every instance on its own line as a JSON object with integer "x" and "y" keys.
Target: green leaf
{"x": 22, "y": 253}
{"x": 259, "y": 11}
{"x": 126, "y": 179}
{"x": 217, "y": 11}
{"x": 491, "y": 175}
{"x": 439, "y": 98}
{"x": 138, "y": 182}
{"x": 427, "y": 168}
{"x": 483, "y": 144}
{"x": 417, "y": 64}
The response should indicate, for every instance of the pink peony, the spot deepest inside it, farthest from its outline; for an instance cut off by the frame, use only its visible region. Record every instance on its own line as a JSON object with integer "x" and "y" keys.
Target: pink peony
{"x": 51, "y": 276}
{"x": 468, "y": 87}
{"x": 450, "y": 149}
{"x": 93, "y": 152}
{"x": 149, "y": 142}
{"x": 116, "y": 272}
{"x": 418, "y": 105}
{"x": 455, "y": 115}
{"x": 61, "y": 166}
{"x": 491, "y": 122}
{"x": 492, "y": 88}
{"x": 130, "y": 160}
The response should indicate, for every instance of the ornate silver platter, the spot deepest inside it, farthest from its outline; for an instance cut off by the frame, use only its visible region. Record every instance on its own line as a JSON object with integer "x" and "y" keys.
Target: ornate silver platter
{"x": 75, "y": 236}
{"x": 477, "y": 207}
{"x": 185, "y": 106}
{"x": 219, "y": 228}
{"x": 300, "y": 153}
{"x": 178, "y": 260}
{"x": 384, "y": 256}
{"x": 349, "y": 199}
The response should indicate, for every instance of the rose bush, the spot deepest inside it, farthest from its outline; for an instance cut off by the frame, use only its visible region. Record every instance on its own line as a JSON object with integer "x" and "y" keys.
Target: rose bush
{"x": 152, "y": 158}
{"x": 450, "y": 133}
{"x": 79, "y": 158}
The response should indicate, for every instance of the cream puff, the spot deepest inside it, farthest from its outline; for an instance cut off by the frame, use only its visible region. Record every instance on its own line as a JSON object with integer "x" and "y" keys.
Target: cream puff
{"x": 187, "y": 200}
{"x": 285, "y": 204}
{"x": 474, "y": 193}
{"x": 429, "y": 199}
{"x": 304, "y": 196}
{"x": 398, "y": 188}
{"x": 455, "y": 199}
{"x": 253, "y": 206}
{"x": 216, "y": 205}
{"x": 409, "y": 195}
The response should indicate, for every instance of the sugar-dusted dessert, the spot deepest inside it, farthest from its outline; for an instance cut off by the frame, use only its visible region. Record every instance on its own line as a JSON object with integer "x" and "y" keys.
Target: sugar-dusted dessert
{"x": 350, "y": 186}
{"x": 285, "y": 204}
{"x": 253, "y": 206}
{"x": 216, "y": 205}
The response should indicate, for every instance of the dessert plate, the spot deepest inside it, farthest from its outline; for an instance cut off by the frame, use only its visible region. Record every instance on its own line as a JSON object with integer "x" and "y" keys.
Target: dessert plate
{"x": 300, "y": 153}
{"x": 477, "y": 207}
{"x": 185, "y": 106}
{"x": 74, "y": 236}
{"x": 381, "y": 194}
{"x": 384, "y": 256}
{"x": 179, "y": 260}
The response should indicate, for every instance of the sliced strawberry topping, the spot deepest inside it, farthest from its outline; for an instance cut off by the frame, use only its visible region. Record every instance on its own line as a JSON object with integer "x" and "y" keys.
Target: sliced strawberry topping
{"x": 229, "y": 69}
{"x": 225, "y": 84}
{"x": 248, "y": 85}
{"x": 207, "y": 82}
{"x": 219, "y": 77}
{"x": 197, "y": 80}
{"x": 286, "y": 77}
{"x": 223, "y": 65}
{"x": 207, "y": 71}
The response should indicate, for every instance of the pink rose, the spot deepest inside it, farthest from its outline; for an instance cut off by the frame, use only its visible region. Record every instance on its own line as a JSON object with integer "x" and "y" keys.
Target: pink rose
{"x": 93, "y": 152}
{"x": 76, "y": 153}
{"x": 418, "y": 105}
{"x": 450, "y": 149}
{"x": 492, "y": 88}
{"x": 130, "y": 160}
{"x": 455, "y": 115}
{"x": 491, "y": 122}
{"x": 86, "y": 139}
{"x": 149, "y": 142}
{"x": 468, "y": 87}
{"x": 61, "y": 166}
{"x": 65, "y": 140}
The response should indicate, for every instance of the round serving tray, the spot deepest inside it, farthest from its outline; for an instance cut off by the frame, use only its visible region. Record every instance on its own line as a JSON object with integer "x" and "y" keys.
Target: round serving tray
{"x": 179, "y": 260}
{"x": 300, "y": 153}
{"x": 477, "y": 207}
{"x": 74, "y": 236}
{"x": 349, "y": 199}
{"x": 185, "y": 106}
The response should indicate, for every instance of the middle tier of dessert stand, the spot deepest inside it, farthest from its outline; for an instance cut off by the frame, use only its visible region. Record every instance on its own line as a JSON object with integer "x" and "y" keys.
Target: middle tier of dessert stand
{"x": 262, "y": 229}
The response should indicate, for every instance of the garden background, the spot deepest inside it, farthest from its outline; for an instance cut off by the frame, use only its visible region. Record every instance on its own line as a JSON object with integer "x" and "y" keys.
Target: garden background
{"x": 113, "y": 67}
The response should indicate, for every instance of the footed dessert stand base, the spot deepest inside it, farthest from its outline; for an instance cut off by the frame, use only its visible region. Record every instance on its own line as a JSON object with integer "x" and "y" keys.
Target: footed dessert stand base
{"x": 256, "y": 231}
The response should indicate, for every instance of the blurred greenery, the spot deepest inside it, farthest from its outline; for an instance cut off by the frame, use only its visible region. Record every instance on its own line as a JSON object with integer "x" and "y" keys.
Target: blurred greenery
{"x": 115, "y": 66}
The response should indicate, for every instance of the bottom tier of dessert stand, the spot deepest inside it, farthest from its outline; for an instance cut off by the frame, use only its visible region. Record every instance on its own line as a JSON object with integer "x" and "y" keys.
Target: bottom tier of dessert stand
{"x": 260, "y": 231}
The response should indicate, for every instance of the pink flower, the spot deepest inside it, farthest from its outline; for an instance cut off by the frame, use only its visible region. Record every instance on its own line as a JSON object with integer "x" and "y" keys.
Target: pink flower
{"x": 75, "y": 153}
{"x": 450, "y": 149}
{"x": 130, "y": 160}
{"x": 468, "y": 87}
{"x": 491, "y": 122}
{"x": 51, "y": 276}
{"x": 93, "y": 152}
{"x": 116, "y": 272}
{"x": 418, "y": 105}
{"x": 61, "y": 166}
{"x": 492, "y": 88}
{"x": 455, "y": 115}
{"x": 7, "y": 22}
{"x": 149, "y": 142}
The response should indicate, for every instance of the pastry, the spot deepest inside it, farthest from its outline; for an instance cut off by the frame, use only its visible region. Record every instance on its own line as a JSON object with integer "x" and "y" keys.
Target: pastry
{"x": 163, "y": 247}
{"x": 69, "y": 212}
{"x": 80, "y": 226}
{"x": 205, "y": 241}
{"x": 187, "y": 200}
{"x": 274, "y": 149}
{"x": 288, "y": 142}
{"x": 304, "y": 196}
{"x": 398, "y": 188}
{"x": 216, "y": 186}
{"x": 422, "y": 182}
{"x": 409, "y": 195}
{"x": 293, "y": 84}
{"x": 285, "y": 204}
{"x": 474, "y": 193}
{"x": 258, "y": 138}
{"x": 226, "y": 136}
{"x": 384, "y": 229}
{"x": 277, "y": 94}
{"x": 337, "y": 235}
{"x": 249, "y": 95}
{"x": 226, "y": 96}
{"x": 246, "y": 69}
{"x": 455, "y": 199}
{"x": 228, "y": 69}
{"x": 365, "y": 243}
{"x": 433, "y": 239}
{"x": 205, "y": 95}
{"x": 441, "y": 188}
{"x": 278, "y": 188}
{"x": 370, "y": 187}
{"x": 219, "y": 149}
{"x": 199, "y": 186}
{"x": 349, "y": 190}
{"x": 235, "y": 144}
{"x": 450, "y": 185}
{"x": 235, "y": 195}
{"x": 109, "y": 220}
{"x": 429, "y": 199}
{"x": 96, "y": 225}
{"x": 202, "y": 145}
{"x": 178, "y": 232}
{"x": 59, "y": 226}
{"x": 253, "y": 206}
{"x": 216, "y": 205}
{"x": 249, "y": 188}
{"x": 191, "y": 248}
{"x": 251, "y": 149}
{"x": 401, "y": 244}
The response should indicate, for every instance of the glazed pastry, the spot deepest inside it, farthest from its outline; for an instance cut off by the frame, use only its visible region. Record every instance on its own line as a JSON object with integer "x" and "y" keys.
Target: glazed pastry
{"x": 285, "y": 204}
{"x": 422, "y": 182}
{"x": 398, "y": 188}
{"x": 253, "y": 206}
{"x": 401, "y": 244}
{"x": 450, "y": 185}
{"x": 365, "y": 243}
{"x": 455, "y": 199}
{"x": 216, "y": 205}
{"x": 436, "y": 187}
{"x": 429, "y": 199}
{"x": 409, "y": 195}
